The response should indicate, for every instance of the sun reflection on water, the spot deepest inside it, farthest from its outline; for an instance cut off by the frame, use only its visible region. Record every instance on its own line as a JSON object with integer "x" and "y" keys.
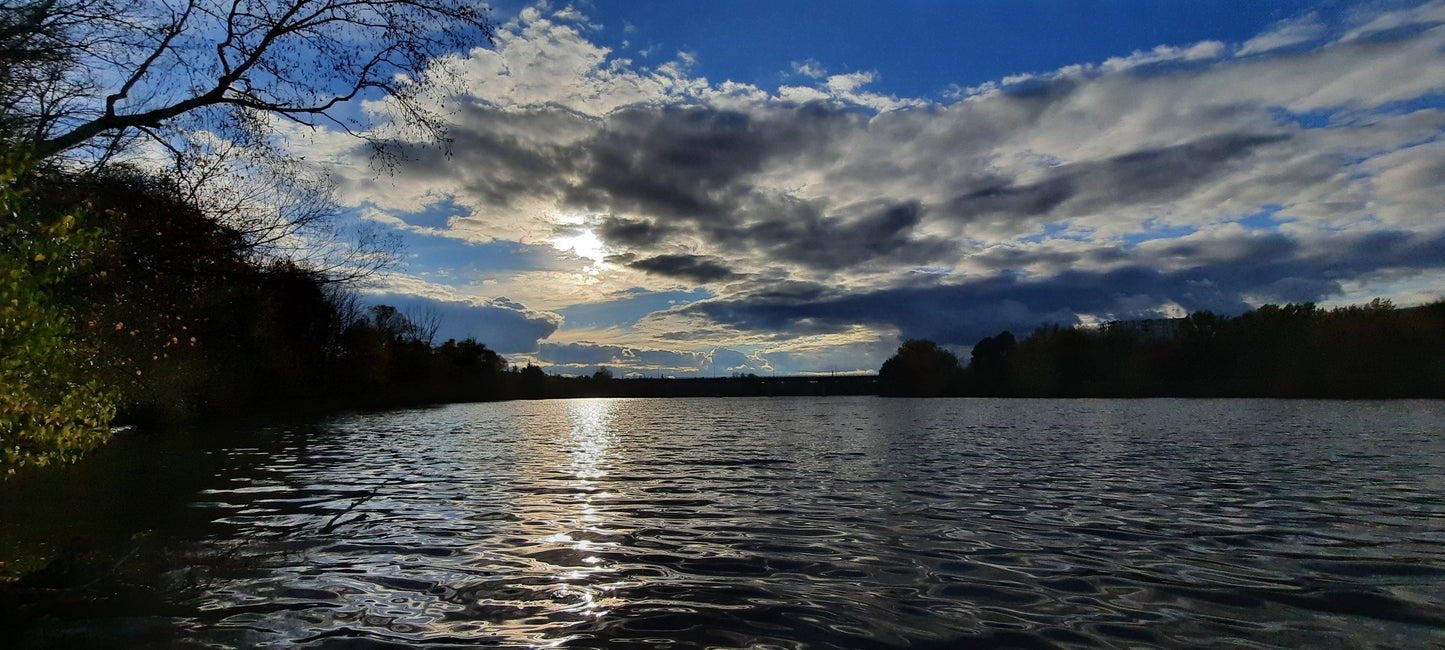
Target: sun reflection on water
{"x": 583, "y": 530}
{"x": 591, "y": 437}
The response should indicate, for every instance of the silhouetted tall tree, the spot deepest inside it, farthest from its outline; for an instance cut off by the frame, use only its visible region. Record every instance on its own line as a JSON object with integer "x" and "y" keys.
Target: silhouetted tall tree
{"x": 990, "y": 370}
{"x": 921, "y": 369}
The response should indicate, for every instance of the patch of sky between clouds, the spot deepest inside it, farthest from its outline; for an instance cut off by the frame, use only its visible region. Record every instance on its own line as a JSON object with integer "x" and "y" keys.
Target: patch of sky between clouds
{"x": 429, "y": 254}
{"x": 1265, "y": 219}
{"x": 1342, "y": 116}
{"x": 626, "y": 311}
{"x": 1317, "y": 119}
{"x": 1153, "y": 231}
{"x": 436, "y": 215}
{"x": 1428, "y": 101}
{"x": 1056, "y": 230}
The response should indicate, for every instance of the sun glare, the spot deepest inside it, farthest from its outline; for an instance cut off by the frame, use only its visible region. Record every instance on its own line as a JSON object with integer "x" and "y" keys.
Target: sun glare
{"x": 586, "y": 244}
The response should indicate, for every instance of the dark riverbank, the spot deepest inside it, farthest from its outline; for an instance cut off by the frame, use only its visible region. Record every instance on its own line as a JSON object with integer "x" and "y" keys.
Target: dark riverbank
{"x": 93, "y": 541}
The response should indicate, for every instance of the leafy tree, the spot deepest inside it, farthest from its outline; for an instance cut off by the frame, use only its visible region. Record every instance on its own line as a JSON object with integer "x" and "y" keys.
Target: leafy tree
{"x": 1296, "y": 350}
{"x": 922, "y": 369}
{"x": 52, "y": 408}
{"x": 989, "y": 366}
{"x": 532, "y": 382}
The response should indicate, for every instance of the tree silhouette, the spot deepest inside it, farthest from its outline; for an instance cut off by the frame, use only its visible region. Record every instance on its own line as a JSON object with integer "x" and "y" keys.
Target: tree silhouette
{"x": 95, "y": 72}
{"x": 989, "y": 368}
{"x": 920, "y": 369}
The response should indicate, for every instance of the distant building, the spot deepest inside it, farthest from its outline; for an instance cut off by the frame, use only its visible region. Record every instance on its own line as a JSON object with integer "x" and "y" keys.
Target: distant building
{"x": 1148, "y": 328}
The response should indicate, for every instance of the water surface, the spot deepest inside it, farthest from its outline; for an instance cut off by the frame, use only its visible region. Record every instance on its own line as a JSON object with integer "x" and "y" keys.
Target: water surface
{"x": 834, "y": 522}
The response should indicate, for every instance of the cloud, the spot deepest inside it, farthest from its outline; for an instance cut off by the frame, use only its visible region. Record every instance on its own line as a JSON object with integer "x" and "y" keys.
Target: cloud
{"x": 691, "y": 267}
{"x": 822, "y": 217}
{"x": 580, "y": 353}
{"x": 1285, "y": 33}
{"x": 564, "y": 356}
{"x": 1221, "y": 274}
{"x": 810, "y": 68}
{"x": 569, "y": 13}
{"x": 503, "y": 325}
{"x": 1201, "y": 51}
{"x": 1142, "y": 176}
{"x": 573, "y": 357}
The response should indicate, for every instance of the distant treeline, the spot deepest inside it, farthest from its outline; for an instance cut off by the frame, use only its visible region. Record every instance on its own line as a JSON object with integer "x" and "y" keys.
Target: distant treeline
{"x": 1370, "y": 351}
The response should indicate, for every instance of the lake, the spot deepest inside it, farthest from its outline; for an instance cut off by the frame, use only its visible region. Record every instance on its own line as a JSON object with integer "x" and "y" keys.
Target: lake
{"x": 850, "y": 522}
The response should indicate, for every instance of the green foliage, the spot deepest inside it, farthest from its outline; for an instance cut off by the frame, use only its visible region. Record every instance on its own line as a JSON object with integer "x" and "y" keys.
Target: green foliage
{"x": 52, "y": 408}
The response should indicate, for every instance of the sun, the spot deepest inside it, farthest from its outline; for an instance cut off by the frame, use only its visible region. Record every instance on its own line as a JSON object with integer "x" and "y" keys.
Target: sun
{"x": 586, "y": 245}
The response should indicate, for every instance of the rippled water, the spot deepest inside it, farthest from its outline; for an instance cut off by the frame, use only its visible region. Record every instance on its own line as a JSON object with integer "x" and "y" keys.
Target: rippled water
{"x": 835, "y": 522}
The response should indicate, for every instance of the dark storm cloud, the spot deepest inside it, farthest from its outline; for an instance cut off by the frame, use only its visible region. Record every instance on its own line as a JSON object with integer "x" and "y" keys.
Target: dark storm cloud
{"x": 1013, "y": 258}
{"x": 497, "y": 156}
{"x": 688, "y": 267}
{"x": 631, "y": 232}
{"x": 787, "y": 291}
{"x": 687, "y": 168}
{"x": 688, "y": 162}
{"x": 884, "y": 232}
{"x": 961, "y": 314}
{"x": 1147, "y": 175}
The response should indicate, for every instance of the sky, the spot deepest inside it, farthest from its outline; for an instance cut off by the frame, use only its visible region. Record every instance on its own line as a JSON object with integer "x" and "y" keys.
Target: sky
{"x": 705, "y": 189}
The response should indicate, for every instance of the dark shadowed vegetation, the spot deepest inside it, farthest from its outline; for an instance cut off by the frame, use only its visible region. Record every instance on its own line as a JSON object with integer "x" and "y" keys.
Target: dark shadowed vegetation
{"x": 123, "y": 296}
{"x": 209, "y": 280}
{"x": 920, "y": 368}
{"x": 1370, "y": 351}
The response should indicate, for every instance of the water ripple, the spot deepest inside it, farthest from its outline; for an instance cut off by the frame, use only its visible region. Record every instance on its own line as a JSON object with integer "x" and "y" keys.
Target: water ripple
{"x": 839, "y": 523}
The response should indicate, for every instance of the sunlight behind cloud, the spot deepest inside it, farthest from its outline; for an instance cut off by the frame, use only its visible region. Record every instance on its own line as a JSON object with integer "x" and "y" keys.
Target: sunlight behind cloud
{"x": 586, "y": 244}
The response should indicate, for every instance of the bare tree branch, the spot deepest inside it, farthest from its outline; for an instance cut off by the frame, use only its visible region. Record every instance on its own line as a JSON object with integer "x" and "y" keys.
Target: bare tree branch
{"x": 118, "y": 66}
{"x": 83, "y": 79}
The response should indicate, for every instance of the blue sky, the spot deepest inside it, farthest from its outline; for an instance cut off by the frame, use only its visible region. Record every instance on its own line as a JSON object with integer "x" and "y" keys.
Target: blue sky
{"x": 920, "y": 48}
{"x": 709, "y": 188}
